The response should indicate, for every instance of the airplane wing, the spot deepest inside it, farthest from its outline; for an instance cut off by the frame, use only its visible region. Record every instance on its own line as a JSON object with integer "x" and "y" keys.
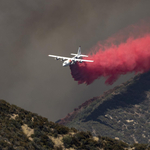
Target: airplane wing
{"x": 59, "y": 57}
{"x": 81, "y": 60}
{"x": 66, "y": 58}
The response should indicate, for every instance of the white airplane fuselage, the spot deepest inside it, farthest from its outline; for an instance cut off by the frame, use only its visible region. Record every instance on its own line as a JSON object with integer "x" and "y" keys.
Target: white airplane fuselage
{"x": 66, "y": 63}
{"x": 69, "y": 61}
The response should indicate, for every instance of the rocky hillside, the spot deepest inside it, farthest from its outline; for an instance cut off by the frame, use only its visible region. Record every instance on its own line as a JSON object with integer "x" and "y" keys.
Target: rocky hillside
{"x": 23, "y": 130}
{"x": 120, "y": 113}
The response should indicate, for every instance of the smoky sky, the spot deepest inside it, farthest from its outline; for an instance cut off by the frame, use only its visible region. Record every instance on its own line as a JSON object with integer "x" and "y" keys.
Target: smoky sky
{"x": 30, "y": 30}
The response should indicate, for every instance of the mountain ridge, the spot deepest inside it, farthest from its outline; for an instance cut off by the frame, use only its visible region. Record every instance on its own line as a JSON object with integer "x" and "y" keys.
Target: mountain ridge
{"x": 122, "y": 112}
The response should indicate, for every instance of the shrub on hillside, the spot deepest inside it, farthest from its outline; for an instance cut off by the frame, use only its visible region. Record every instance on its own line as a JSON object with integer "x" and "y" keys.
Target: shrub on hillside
{"x": 3, "y": 143}
{"x": 89, "y": 144}
{"x": 75, "y": 142}
{"x": 74, "y": 130}
{"x": 4, "y": 107}
{"x": 83, "y": 135}
{"x": 47, "y": 142}
{"x": 36, "y": 140}
{"x": 67, "y": 140}
{"x": 43, "y": 141}
{"x": 62, "y": 129}
{"x": 113, "y": 144}
{"x": 140, "y": 146}
{"x": 15, "y": 123}
{"x": 37, "y": 133}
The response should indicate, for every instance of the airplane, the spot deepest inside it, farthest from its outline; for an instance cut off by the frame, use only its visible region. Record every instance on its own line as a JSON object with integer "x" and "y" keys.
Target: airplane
{"x": 70, "y": 61}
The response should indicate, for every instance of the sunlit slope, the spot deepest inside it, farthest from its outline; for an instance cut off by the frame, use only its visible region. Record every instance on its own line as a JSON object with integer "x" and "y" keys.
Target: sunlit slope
{"x": 121, "y": 113}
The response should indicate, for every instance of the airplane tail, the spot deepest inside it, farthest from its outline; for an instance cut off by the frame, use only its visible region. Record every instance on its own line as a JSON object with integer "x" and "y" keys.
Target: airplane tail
{"x": 79, "y": 53}
{"x": 79, "y": 50}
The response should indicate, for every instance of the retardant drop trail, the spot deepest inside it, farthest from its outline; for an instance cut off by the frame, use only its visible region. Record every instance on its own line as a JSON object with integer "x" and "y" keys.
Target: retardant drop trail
{"x": 115, "y": 60}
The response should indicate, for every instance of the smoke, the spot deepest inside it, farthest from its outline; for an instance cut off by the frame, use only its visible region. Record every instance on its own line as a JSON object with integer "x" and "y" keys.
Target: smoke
{"x": 30, "y": 30}
{"x": 115, "y": 57}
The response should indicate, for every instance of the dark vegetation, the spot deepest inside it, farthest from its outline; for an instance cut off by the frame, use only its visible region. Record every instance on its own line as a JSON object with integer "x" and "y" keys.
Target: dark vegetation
{"x": 122, "y": 112}
{"x": 12, "y": 136}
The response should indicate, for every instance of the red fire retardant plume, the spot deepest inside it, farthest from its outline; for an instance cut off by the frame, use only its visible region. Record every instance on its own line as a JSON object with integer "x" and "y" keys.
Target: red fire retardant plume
{"x": 115, "y": 60}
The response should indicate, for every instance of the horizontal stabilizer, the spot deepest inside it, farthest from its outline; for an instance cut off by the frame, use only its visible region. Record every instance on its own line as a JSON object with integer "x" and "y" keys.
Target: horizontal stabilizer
{"x": 84, "y": 55}
{"x": 79, "y": 55}
{"x": 73, "y": 54}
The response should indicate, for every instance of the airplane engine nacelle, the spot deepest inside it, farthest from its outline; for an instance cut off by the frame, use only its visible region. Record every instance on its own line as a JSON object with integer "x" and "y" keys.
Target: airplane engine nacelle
{"x": 57, "y": 58}
{"x": 62, "y": 59}
{"x": 80, "y": 61}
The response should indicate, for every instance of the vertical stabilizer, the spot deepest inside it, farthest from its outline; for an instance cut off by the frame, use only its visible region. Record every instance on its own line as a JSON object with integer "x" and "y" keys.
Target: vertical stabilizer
{"x": 79, "y": 50}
